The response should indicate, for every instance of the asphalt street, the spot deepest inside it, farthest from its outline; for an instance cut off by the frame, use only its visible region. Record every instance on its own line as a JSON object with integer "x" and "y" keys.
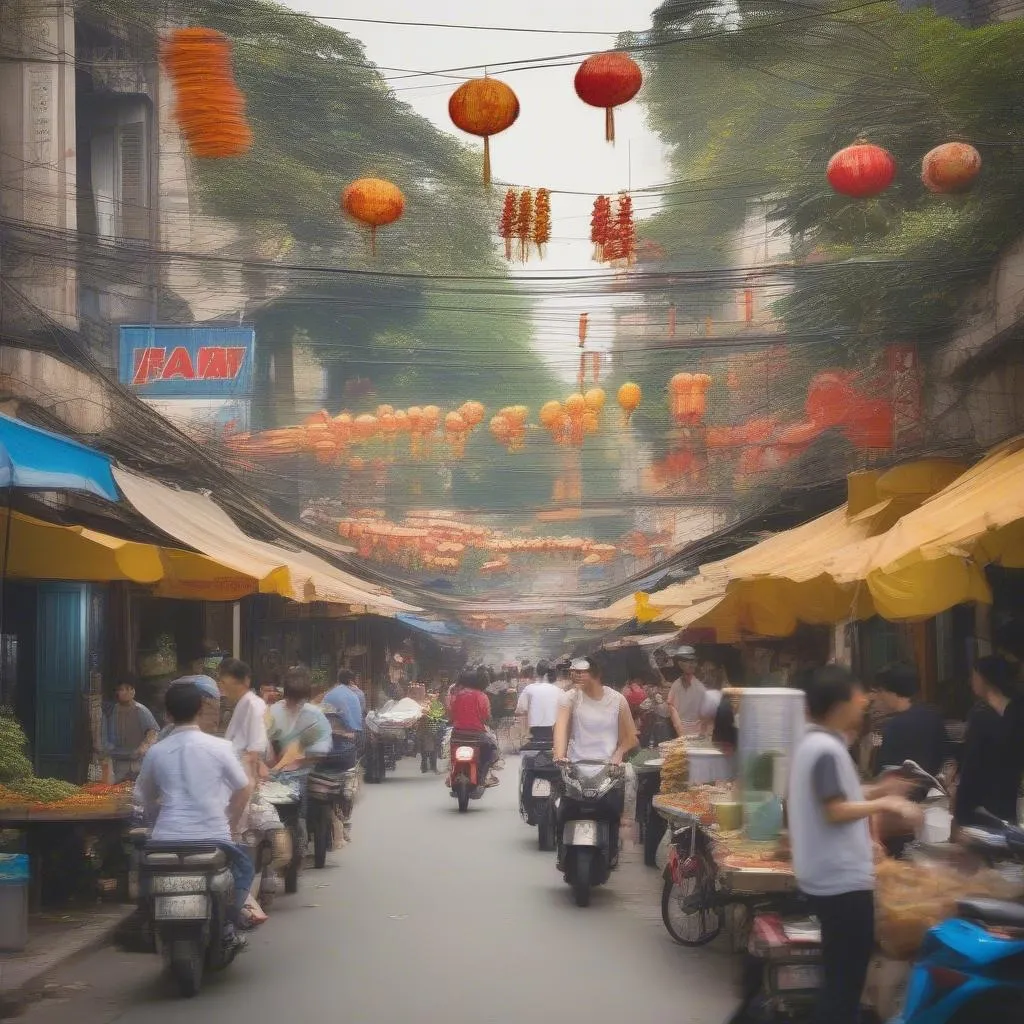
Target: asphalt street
{"x": 429, "y": 915}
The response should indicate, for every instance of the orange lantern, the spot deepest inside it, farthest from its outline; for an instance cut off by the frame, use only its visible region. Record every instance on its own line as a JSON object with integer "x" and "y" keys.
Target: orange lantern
{"x": 473, "y": 413}
{"x": 401, "y": 421}
{"x": 608, "y": 80}
{"x": 595, "y": 399}
{"x": 365, "y": 426}
{"x": 484, "y": 107}
{"x": 629, "y": 398}
{"x": 549, "y": 413}
{"x": 590, "y": 422}
{"x": 951, "y": 167}
{"x": 374, "y": 202}
{"x": 575, "y": 405}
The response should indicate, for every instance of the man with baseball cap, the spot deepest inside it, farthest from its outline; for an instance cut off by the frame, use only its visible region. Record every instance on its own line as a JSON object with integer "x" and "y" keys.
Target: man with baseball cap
{"x": 686, "y": 696}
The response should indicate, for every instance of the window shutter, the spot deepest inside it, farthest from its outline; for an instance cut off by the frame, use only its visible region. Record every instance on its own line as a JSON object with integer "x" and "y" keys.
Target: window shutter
{"x": 134, "y": 197}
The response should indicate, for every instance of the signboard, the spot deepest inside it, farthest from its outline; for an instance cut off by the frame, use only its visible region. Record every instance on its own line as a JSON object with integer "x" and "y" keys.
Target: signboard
{"x": 187, "y": 362}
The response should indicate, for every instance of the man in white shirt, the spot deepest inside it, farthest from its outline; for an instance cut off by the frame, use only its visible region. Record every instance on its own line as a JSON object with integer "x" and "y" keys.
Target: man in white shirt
{"x": 196, "y": 787}
{"x": 247, "y": 730}
{"x": 686, "y": 696}
{"x": 538, "y": 704}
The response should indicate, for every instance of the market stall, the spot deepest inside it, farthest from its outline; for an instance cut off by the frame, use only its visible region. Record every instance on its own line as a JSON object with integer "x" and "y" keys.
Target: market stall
{"x": 71, "y": 833}
{"x": 387, "y": 735}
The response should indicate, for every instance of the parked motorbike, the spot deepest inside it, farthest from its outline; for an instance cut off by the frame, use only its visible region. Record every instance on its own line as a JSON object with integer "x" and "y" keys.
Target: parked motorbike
{"x": 329, "y": 794}
{"x": 538, "y": 774}
{"x": 466, "y": 778}
{"x": 187, "y": 891}
{"x": 588, "y": 809}
{"x": 972, "y": 966}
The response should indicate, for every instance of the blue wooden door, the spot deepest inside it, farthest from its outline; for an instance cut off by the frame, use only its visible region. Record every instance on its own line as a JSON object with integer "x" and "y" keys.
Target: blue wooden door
{"x": 61, "y": 642}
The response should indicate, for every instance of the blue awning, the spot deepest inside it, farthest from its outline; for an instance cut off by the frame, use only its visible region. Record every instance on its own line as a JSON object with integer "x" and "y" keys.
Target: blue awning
{"x": 35, "y": 459}
{"x": 429, "y": 626}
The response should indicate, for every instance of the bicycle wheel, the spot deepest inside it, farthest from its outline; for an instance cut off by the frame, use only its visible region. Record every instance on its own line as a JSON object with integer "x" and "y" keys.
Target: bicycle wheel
{"x": 690, "y": 909}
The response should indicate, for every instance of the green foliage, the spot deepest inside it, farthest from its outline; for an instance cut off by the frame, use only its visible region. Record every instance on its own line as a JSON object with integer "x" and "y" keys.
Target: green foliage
{"x": 753, "y": 99}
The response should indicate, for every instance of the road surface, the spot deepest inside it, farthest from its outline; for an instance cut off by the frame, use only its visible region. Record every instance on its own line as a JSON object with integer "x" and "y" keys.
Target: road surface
{"x": 430, "y": 916}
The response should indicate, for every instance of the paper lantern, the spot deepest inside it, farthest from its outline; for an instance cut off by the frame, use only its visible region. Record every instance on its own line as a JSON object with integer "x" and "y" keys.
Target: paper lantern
{"x": 365, "y": 426}
{"x": 629, "y": 398}
{"x": 595, "y": 399}
{"x": 484, "y": 107}
{"x": 473, "y": 413}
{"x": 209, "y": 107}
{"x": 861, "y": 170}
{"x": 374, "y": 202}
{"x": 550, "y": 413}
{"x": 576, "y": 405}
{"x": 830, "y": 397}
{"x": 608, "y": 80}
{"x": 590, "y": 422}
{"x": 951, "y": 167}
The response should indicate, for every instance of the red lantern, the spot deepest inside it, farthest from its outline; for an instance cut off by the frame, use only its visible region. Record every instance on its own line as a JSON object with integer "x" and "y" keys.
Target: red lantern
{"x": 951, "y": 167}
{"x": 608, "y": 80}
{"x": 861, "y": 170}
{"x": 484, "y": 107}
{"x": 375, "y": 202}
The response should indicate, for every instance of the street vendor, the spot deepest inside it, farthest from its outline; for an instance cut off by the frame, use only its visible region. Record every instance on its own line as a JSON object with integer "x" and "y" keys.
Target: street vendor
{"x": 687, "y": 694}
{"x": 833, "y": 856}
{"x": 129, "y": 730}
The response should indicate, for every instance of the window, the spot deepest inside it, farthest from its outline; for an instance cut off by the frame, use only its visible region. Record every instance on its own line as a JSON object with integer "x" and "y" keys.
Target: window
{"x": 120, "y": 176}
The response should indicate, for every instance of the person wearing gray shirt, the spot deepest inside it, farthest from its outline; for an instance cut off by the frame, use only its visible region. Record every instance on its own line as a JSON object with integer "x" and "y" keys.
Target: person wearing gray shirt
{"x": 833, "y": 856}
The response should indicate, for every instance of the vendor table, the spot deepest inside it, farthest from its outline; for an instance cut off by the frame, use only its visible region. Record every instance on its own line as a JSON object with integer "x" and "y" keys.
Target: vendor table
{"x": 46, "y": 831}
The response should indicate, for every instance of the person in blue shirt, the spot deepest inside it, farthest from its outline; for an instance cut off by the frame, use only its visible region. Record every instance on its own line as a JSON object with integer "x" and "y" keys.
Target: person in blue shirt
{"x": 345, "y": 713}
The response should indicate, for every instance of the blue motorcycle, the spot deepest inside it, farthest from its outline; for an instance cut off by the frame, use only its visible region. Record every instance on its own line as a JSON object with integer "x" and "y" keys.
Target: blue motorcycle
{"x": 971, "y": 969}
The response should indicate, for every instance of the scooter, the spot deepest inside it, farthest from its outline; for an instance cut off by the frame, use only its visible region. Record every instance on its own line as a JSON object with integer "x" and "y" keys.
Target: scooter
{"x": 537, "y": 775}
{"x": 588, "y": 810}
{"x": 329, "y": 792}
{"x": 187, "y": 891}
{"x": 972, "y": 966}
{"x": 466, "y": 779}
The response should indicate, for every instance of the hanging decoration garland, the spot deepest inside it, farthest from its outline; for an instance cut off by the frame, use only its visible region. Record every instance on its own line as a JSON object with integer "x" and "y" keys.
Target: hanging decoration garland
{"x": 526, "y": 217}
{"x": 507, "y": 224}
{"x": 373, "y": 202}
{"x": 608, "y": 80}
{"x": 524, "y": 223}
{"x": 542, "y": 221}
{"x": 209, "y": 107}
{"x": 600, "y": 225}
{"x": 484, "y": 107}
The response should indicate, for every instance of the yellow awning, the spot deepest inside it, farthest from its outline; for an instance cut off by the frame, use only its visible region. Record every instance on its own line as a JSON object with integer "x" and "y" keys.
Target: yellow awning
{"x": 48, "y": 551}
{"x": 934, "y": 557}
{"x": 197, "y": 521}
{"x": 813, "y": 573}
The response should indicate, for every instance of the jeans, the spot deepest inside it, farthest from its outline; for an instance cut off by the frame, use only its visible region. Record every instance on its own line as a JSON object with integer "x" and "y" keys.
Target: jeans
{"x": 242, "y": 871}
{"x": 847, "y": 941}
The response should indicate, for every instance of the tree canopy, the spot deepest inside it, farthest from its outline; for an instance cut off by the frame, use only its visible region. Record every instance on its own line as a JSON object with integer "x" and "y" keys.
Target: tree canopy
{"x": 753, "y": 97}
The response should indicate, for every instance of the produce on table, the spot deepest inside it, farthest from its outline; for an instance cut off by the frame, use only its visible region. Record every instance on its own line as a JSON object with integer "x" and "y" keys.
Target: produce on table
{"x": 675, "y": 772}
{"x": 21, "y": 789}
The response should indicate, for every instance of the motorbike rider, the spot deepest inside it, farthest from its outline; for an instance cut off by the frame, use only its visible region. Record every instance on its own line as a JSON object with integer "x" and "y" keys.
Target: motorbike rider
{"x": 198, "y": 790}
{"x": 538, "y": 704}
{"x": 595, "y": 724}
{"x": 470, "y": 714}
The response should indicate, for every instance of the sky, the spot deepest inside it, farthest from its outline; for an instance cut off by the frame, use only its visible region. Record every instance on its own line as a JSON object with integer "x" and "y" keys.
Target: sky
{"x": 557, "y": 143}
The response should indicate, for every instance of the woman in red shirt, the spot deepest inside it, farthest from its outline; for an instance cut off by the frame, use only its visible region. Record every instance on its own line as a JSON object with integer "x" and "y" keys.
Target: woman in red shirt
{"x": 470, "y": 713}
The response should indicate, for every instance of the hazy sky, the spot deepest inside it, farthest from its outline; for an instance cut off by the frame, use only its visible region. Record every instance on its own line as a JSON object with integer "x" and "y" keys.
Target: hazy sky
{"x": 557, "y": 143}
